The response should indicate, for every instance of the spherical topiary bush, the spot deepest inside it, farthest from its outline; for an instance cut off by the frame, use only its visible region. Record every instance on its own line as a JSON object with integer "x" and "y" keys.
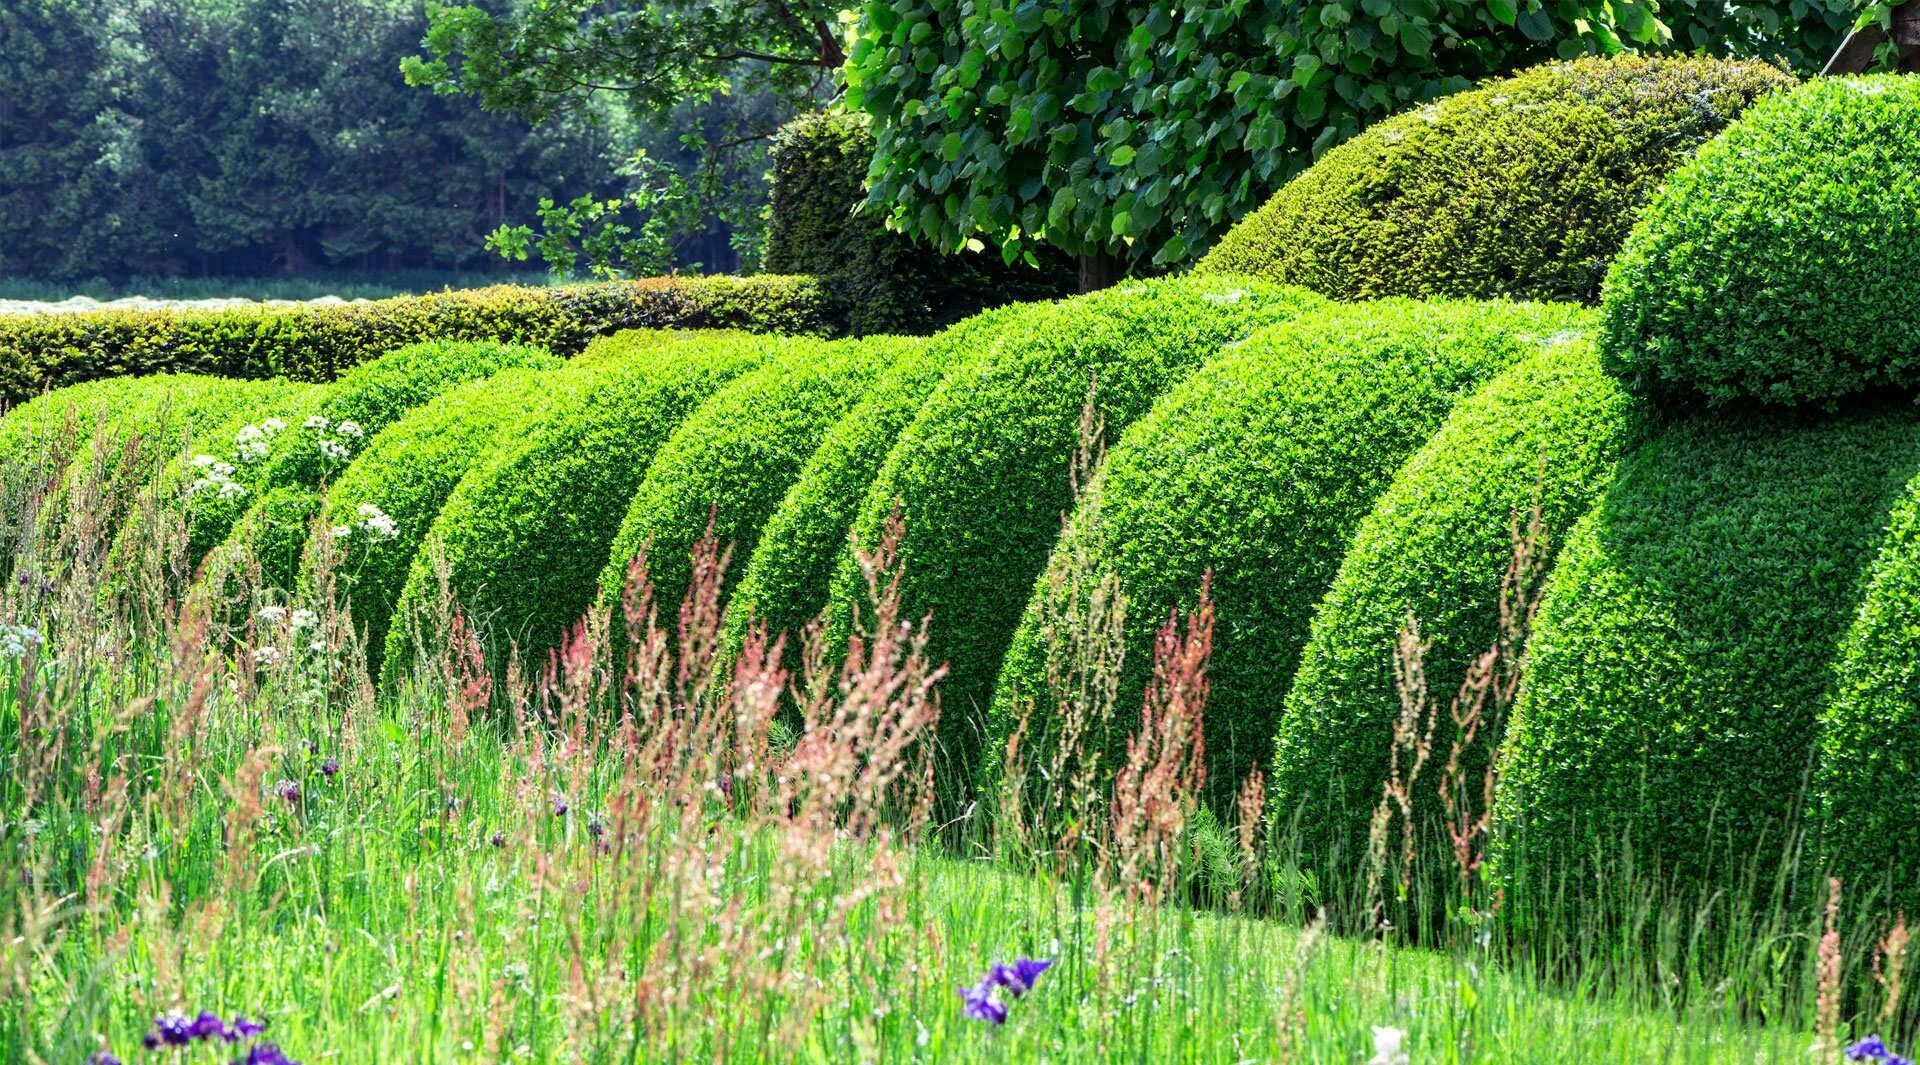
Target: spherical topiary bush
{"x": 1684, "y": 648}
{"x": 1779, "y": 263}
{"x": 730, "y": 463}
{"x": 1257, "y": 471}
{"x": 1547, "y": 433}
{"x": 785, "y": 582}
{"x": 1524, "y": 187}
{"x": 525, "y": 534}
{"x": 380, "y": 509}
{"x": 1870, "y": 734}
{"x": 629, "y": 343}
{"x": 981, "y": 476}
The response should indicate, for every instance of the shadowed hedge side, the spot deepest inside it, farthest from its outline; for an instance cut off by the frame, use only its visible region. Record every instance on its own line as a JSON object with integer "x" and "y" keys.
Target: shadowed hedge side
{"x": 1685, "y": 646}
{"x": 1258, "y": 470}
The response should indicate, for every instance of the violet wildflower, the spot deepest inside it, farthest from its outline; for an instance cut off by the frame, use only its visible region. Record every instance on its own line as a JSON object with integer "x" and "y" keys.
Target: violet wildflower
{"x": 264, "y": 1054}
{"x": 207, "y": 1026}
{"x": 498, "y": 840}
{"x": 288, "y": 790}
{"x": 1017, "y": 979}
{"x": 174, "y": 1029}
{"x": 247, "y": 1029}
{"x": 103, "y": 1057}
{"x": 330, "y": 768}
{"x": 982, "y": 1006}
{"x": 596, "y": 826}
{"x": 559, "y": 804}
{"x": 1868, "y": 1049}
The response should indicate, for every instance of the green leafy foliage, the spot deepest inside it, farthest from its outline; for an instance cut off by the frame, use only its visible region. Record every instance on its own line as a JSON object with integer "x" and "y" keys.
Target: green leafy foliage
{"x": 1684, "y": 650}
{"x": 1870, "y": 731}
{"x": 405, "y": 475}
{"x": 1525, "y": 187}
{"x": 1547, "y": 433}
{"x": 731, "y": 462}
{"x": 318, "y": 343}
{"x": 881, "y": 280}
{"x": 1144, "y": 131}
{"x": 526, "y": 533}
{"x": 1257, "y": 471}
{"x": 1778, "y": 264}
{"x": 786, "y": 579}
{"x": 981, "y": 476}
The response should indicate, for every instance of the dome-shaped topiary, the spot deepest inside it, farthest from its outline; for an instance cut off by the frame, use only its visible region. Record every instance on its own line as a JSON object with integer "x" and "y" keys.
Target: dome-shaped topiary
{"x": 1684, "y": 649}
{"x": 1525, "y": 187}
{"x": 731, "y": 462}
{"x": 1868, "y": 791}
{"x": 526, "y": 534}
{"x": 1257, "y": 470}
{"x": 1545, "y": 433}
{"x": 982, "y": 474}
{"x": 1780, "y": 263}
{"x": 383, "y": 505}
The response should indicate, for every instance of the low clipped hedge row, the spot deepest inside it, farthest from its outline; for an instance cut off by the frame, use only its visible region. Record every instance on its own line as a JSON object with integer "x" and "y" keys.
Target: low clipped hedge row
{"x": 1526, "y": 187}
{"x": 319, "y": 343}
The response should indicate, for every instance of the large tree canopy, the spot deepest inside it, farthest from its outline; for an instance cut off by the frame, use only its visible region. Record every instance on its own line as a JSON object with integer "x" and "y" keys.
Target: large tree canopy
{"x": 1138, "y": 132}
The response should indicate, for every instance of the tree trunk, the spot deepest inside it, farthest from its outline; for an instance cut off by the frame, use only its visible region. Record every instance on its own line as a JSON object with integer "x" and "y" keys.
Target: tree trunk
{"x": 1100, "y": 269}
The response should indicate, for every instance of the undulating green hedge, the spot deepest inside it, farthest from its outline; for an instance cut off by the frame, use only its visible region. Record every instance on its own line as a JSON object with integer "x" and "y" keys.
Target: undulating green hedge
{"x": 1525, "y": 187}
{"x": 526, "y": 533}
{"x": 981, "y": 476}
{"x": 318, "y": 343}
{"x": 786, "y": 579}
{"x": 1547, "y": 433}
{"x": 1258, "y": 470}
{"x": 731, "y": 462}
{"x": 306, "y": 452}
{"x": 880, "y": 281}
{"x": 1780, "y": 264}
{"x": 404, "y": 477}
{"x": 1685, "y": 646}
{"x": 1870, "y": 732}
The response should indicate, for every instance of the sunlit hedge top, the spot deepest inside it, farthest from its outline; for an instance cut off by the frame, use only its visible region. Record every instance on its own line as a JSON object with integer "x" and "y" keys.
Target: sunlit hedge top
{"x": 1780, "y": 264}
{"x": 1526, "y": 187}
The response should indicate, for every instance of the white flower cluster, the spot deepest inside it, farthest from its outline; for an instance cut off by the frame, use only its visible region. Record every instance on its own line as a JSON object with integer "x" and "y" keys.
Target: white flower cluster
{"x": 216, "y": 477}
{"x": 17, "y": 640}
{"x": 336, "y": 441}
{"x": 375, "y": 525}
{"x": 274, "y": 616}
{"x": 253, "y": 442}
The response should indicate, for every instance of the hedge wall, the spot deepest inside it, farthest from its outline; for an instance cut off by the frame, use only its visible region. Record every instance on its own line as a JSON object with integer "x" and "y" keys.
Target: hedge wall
{"x": 981, "y": 475}
{"x": 1437, "y": 543}
{"x": 1870, "y": 733}
{"x": 319, "y": 343}
{"x": 1525, "y": 187}
{"x": 1684, "y": 648}
{"x": 1259, "y": 469}
{"x": 785, "y": 582}
{"x": 1779, "y": 264}
{"x": 879, "y": 280}
{"x": 405, "y": 475}
{"x": 527, "y": 532}
{"x": 733, "y": 460}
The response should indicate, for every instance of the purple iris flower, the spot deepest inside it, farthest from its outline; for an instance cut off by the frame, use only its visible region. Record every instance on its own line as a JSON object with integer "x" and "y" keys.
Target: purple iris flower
{"x": 288, "y": 790}
{"x": 330, "y": 768}
{"x": 1019, "y": 977}
{"x": 208, "y": 1026}
{"x": 596, "y": 826}
{"x": 1870, "y": 1047}
{"x": 982, "y": 1006}
{"x": 248, "y": 1029}
{"x": 174, "y": 1029}
{"x": 103, "y": 1057}
{"x": 559, "y": 804}
{"x": 264, "y": 1054}
{"x": 1895, "y": 1059}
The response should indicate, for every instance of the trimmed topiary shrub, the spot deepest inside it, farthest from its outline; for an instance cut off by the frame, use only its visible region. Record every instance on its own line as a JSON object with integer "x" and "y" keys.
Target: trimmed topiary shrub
{"x": 1779, "y": 263}
{"x": 526, "y": 534}
{"x": 630, "y": 342}
{"x": 381, "y": 508}
{"x": 786, "y": 579}
{"x": 879, "y": 280}
{"x": 982, "y": 474}
{"x": 318, "y": 343}
{"x": 732, "y": 461}
{"x": 1258, "y": 470}
{"x": 1685, "y": 647}
{"x": 1525, "y": 187}
{"x": 1870, "y": 732}
{"x": 1546, "y": 432}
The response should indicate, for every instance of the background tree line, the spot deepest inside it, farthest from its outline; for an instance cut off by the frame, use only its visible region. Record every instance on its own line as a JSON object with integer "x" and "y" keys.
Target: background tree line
{"x": 269, "y": 137}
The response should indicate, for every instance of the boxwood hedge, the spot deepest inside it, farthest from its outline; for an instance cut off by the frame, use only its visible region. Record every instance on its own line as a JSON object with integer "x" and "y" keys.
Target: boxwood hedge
{"x": 1546, "y": 432}
{"x": 405, "y": 475}
{"x": 318, "y": 343}
{"x": 733, "y": 460}
{"x": 526, "y": 533}
{"x": 1870, "y": 733}
{"x": 1779, "y": 263}
{"x": 1684, "y": 648}
{"x": 981, "y": 475}
{"x": 786, "y": 579}
{"x": 1258, "y": 470}
{"x": 1525, "y": 187}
